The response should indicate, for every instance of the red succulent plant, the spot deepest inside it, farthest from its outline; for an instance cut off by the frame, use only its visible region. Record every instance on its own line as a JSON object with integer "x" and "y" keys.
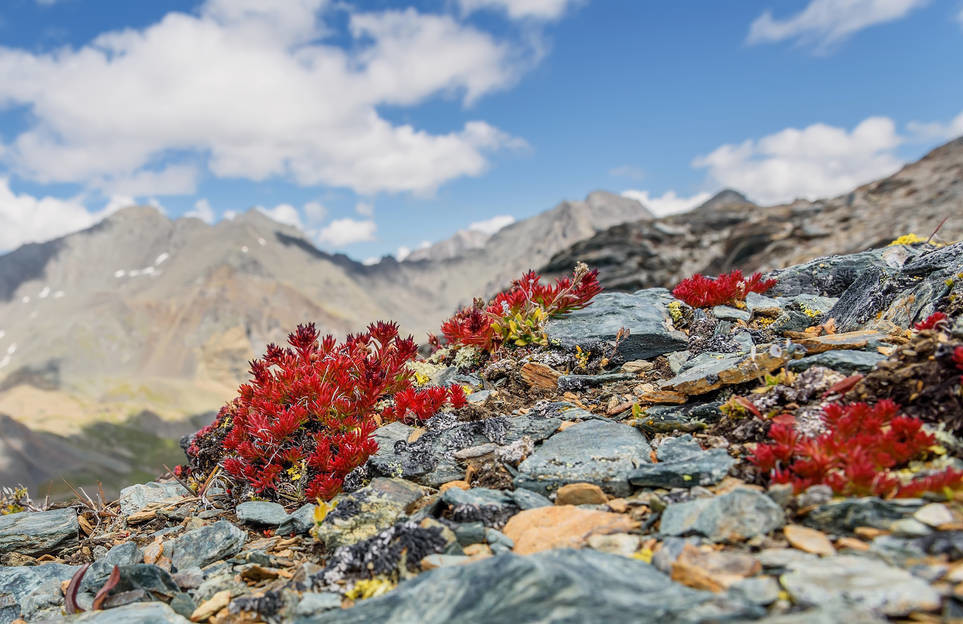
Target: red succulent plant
{"x": 705, "y": 292}
{"x": 855, "y": 455}
{"x": 517, "y": 315}
{"x": 931, "y": 321}
{"x": 305, "y": 419}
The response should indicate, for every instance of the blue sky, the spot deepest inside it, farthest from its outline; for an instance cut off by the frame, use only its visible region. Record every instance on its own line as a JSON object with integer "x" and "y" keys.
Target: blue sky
{"x": 378, "y": 125}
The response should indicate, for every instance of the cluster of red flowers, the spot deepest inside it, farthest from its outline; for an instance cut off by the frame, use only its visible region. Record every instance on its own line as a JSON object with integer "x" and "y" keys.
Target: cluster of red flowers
{"x": 931, "y": 321}
{"x": 518, "y": 313}
{"x": 704, "y": 292}
{"x": 958, "y": 359}
{"x": 305, "y": 419}
{"x": 855, "y": 455}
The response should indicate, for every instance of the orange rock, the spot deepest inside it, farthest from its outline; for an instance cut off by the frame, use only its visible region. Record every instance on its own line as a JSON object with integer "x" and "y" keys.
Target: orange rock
{"x": 618, "y": 505}
{"x": 808, "y": 540}
{"x": 540, "y": 375}
{"x": 561, "y": 526}
{"x": 869, "y": 533}
{"x": 580, "y": 494}
{"x": 461, "y": 485}
{"x": 851, "y": 543}
{"x": 565, "y": 425}
{"x": 712, "y": 570}
{"x": 153, "y": 552}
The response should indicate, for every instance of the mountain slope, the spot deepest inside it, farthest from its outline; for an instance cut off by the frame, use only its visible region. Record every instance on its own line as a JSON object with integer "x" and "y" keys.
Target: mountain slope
{"x": 728, "y": 232}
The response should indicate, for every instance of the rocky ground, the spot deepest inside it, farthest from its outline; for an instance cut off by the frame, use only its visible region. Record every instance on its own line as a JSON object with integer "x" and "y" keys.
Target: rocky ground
{"x": 604, "y": 479}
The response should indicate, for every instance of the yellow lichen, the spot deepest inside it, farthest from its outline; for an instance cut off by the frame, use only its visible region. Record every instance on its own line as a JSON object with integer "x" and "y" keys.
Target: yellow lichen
{"x": 369, "y": 588}
{"x": 907, "y": 239}
{"x": 675, "y": 311}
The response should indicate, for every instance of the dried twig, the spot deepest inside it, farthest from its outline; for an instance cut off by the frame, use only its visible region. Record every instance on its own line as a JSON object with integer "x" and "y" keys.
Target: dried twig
{"x": 937, "y": 229}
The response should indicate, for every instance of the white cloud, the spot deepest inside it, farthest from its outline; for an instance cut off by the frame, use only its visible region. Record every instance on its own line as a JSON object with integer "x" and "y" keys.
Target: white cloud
{"x": 490, "y": 226}
{"x": 935, "y": 130}
{"x": 27, "y": 219}
{"x": 283, "y": 213}
{"x": 254, "y": 90}
{"x": 172, "y": 180}
{"x": 202, "y": 210}
{"x": 521, "y": 9}
{"x": 667, "y": 203}
{"x": 824, "y": 23}
{"x": 373, "y": 260}
{"x": 315, "y": 211}
{"x": 365, "y": 209}
{"x": 343, "y": 232}
{"x": 817, "y": 161}
{"x": 116, "y": 202}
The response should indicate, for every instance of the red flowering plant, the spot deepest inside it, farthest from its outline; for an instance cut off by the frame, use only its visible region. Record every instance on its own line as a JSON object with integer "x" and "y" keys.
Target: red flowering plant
{"x": 958, "y": 359}
{"x": 856, "y": 455}
{"x": 305, "y": 419}
{"x": 517, "y": 315}
{"x": 730, "y": 289}
{"x": 933, "y": 321}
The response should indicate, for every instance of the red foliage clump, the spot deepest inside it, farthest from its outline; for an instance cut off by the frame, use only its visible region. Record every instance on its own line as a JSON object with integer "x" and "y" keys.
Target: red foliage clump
{"x": 856, "y": 453}
{"x": 517, "y": 314}
{"x": 931, "y": 321}
{"x": 305, "y": 419}
{"x": 958, "y": 359}
{"x": 704, "y": 292}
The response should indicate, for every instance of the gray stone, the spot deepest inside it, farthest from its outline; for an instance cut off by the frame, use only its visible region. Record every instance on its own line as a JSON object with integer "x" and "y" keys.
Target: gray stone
{"x": 120, "y": 555}
{"x": 38, "y": 532}
{"x": 829, "y": 276}
{"x": 705, "y": 366}
{"x": 779, "y": 558}
{"x": 670, "y": 550}
{"x": 363, "y": 513}
{"x": 677, "y": 360}
{"x": 580, "y": 382}
{"x": 527, "y": 499}
{"x": 136, "y": 497}
{"x": 262, "y": 513}
{"x": 730, "y": 314}
{"x": 814, "y": 306}
{"x": 206, "y": 545}
{"x": 438, "y": 560}
{"x": 316, "y": 602}
{"x": 479, "y": 396}
{"x": 299, "y": 521}
{"x": 492, "y": 507}
{"x": 594, "y": 451}
{"x": 841, "y": 517}
{"x": 761, "y": 304}
{"x": 497, "y": 537}
{"x": 791, "y": 320}
{"x": 842, "y": 360}
{"x": 137, "y": 613}
{"x": 552, "y": 586}
{"x": 468, "y": 533}
{"x": 737, "y": 515}
{"x": 859, "y": 583}
{"x": 34, "y": 589}
{"x": 909, "y": 527}
{"x": 643, "y": 313}
{"x": 815, "y": 495}
{"x": 760, "y": 590}
{"x": 683, "y": 463}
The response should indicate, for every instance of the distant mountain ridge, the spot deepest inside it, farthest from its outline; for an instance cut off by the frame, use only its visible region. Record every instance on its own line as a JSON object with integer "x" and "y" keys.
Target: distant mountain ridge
{"x": 140, "y": 312}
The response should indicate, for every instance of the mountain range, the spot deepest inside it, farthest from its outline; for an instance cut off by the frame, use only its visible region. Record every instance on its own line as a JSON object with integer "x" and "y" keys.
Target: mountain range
{"x": 118, "y": 339}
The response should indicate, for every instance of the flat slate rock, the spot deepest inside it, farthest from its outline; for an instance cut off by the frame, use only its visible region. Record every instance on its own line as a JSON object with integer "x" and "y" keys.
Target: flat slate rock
{"x": 121, "y": 555}
{"x": 859, "y": 583}
{"x": 683, "y": 463}
{"x": 37, "y": 532}
{"x": 737, "y": 515}
{"x": 844, "y": 516}
{"x": 261, "y": 513}
{"x": 136, "y": 497}
{"x": 206, "y": 545}
{"x": 34, "y": 589}
{"x": 644, "y": 313}
{"x": 552, "y": 586}
{"x": 842, "y": 360}
{"x": 593, "y": 451}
